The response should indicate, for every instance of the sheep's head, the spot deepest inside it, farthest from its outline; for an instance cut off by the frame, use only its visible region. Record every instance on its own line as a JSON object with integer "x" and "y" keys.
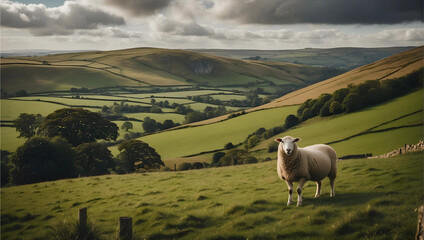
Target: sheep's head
{"x": 288, "y": 144}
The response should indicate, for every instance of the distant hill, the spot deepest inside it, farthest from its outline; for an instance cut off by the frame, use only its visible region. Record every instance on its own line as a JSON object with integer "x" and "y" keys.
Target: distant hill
{"x": 392, "y": 67}
{"x": 143, "y": 67}
{"x": 341, "y": 58}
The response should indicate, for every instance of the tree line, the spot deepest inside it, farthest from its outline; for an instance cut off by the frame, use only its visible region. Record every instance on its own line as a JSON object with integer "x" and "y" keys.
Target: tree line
{"x": 65, "y": 144}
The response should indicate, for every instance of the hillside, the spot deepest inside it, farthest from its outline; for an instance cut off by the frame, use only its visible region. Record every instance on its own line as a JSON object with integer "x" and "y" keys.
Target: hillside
{"x": 144, "y": 67}
{"x": 392, "y": 67}
{"x": 341, "y": 58}
{"x": 375, "y": 199}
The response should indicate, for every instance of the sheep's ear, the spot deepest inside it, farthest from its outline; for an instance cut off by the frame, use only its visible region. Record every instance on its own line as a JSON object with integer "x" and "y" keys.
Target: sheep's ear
{"x": 297, "y": 140}
{"x": 278, "y": 140}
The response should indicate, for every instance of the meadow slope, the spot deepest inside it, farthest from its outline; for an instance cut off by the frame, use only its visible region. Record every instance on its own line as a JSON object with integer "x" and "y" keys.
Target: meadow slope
{"x": 147, "y": 67}
{"x": 375, "y": 199}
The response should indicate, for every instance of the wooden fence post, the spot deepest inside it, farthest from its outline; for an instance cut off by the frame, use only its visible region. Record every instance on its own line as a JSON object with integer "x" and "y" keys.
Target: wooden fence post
{"x": 82, "y": 223}
{"x": 175, "y": 167}
{"x": 125, "y": 228}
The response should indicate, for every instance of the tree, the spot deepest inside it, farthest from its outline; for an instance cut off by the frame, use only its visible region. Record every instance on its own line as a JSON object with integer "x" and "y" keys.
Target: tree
{"x": 252, "y": 141}
{"x": 168, "y": 124}
{"x": 325, "y": 110}
{"x": 78, "y": 126}
{"x": 352, "y": 102}
{"x": 233, "y": 157}
{"x": 138, "y": 154}
{"x": 21, "y": 93}
{"x": 195, "y": 116}
{"x": 335, "y": 108}
{"x": 185, "y": 166}
{"x": 216, "y": 157}
{"x": 126, "y": 125}
{"x": 228, "y": 146}
{"x": 291, "y": 121}
{"x": 307, "y": 113}
{"x": 27, "y": 124}
{"x": 149, "y": 125}
{"x": 93, "y": 159}
{"x": 42, "y": 159}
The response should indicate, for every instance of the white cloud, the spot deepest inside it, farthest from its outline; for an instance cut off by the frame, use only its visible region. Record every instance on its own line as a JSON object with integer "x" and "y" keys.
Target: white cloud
{"x": 62, "y": 20}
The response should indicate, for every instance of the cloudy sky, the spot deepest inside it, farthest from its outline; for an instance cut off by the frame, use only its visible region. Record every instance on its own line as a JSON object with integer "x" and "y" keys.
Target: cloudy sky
{"x": 229, "y": 24}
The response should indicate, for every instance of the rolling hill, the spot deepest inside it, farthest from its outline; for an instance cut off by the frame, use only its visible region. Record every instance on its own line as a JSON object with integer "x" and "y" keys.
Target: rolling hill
{"x": 391, "y": 67}
{"x": 143, "y": 67}
{"x": 341, "y": 58}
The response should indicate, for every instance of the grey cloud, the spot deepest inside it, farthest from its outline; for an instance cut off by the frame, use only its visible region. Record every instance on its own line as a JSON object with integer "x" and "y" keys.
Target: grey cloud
{"x": 320, "y": 12}
{"x": 140, "y": 7}
{"x": 190, "y": 28}
{"x": 62, "y": 20}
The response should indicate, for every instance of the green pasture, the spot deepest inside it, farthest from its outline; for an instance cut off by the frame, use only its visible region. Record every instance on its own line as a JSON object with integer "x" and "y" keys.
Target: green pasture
{"x": 177, "y": 118}
{"x": 201, "y": 106}
{"x": 10, "y": 109}
{"x": 375, "y": 199}
{"x": 53, "y": 78}
{"x": 9, "y": 139}
{"x": 329, "y": 129}
{"x": 194, "y": 140}
{"x": 227, "y": 97}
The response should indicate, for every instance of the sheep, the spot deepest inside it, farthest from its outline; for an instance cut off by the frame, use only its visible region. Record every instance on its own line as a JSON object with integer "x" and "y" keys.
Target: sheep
{"x": 312, "y": 163}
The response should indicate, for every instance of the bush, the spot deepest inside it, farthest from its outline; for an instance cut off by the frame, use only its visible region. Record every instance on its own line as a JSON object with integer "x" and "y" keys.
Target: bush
{"x": 325, "y": 110}
{"x": 228, "y": 146}
{"x": 185, "y": 166}
{"x": 216, "y": 157}
{"x": 306, "y": 114}
{"x": 252, "y": 141}
{"x": 197, "y": 165}
{"x": 291, "y": 121}
{"x": 352, "y": 102}
{"x": 250, "y": 160}
{"x": 272, "y": 147}
{"x": 335, "y": 108}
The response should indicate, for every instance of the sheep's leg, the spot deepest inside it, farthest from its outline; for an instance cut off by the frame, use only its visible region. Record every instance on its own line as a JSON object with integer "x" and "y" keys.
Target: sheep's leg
{"x": 299, "y": 191}
{"x": 290, "y": 186}
{"x": 318, "y": 192}
{"x": 332, "y": 180}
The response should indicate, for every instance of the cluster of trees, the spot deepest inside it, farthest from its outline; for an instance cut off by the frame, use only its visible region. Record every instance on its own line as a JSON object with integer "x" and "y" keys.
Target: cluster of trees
{"x": 261, "y": 134}
{"x": 232, "y": 157}
{"x": 65, "y": 145}
{"x": 150, "y": 125}
{"x": 208, "y": 112}
{"x": 117, "y": 109}
{"x": 252, "y": 100}
{"x": 356, "y": 97}
{"x": 19, "y": 93}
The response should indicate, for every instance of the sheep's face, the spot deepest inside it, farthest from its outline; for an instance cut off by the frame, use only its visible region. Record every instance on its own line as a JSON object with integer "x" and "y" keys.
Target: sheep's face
{"x": 288, "y": 144}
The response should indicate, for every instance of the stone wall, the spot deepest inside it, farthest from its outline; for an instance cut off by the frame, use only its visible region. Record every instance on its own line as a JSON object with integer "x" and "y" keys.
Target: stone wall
{"x": 404, "y": 149}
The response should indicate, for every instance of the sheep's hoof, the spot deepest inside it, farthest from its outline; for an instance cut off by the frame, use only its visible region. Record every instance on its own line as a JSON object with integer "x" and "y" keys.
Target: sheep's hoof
{"x": 332, "y": 195}
{"x": 288, "y": 203}
{"x": 317, "y": 196}
{"x": 299, "y": 204}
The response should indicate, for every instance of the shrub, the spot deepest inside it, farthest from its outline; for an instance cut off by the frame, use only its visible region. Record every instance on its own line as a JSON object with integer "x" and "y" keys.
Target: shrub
{"x": 325, "y": 110}
{"x": 250, "y": 160}
{"x": 306, "y": 114}
{"x": 272, "y": 147}
{"x": 228, "y": 146}
{"x": 335, "y": 108}
{"x": 252, "y": 141}
{"x": 185, "y": 166}
{"x": 216, "y": 157}
{"x": 291, "y": 121}
{"x": 352, "y": 102}
{"x": 197, "y": 165}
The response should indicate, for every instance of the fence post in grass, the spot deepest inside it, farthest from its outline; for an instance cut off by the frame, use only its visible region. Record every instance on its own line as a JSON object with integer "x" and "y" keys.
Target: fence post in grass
{"x": 82, "y": 223}
{"x": 175, "y": 167}
{"x": 125, "y": 228}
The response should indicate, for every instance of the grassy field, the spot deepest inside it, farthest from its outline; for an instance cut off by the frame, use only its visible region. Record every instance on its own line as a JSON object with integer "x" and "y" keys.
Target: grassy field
{"x": 329, "y": 129}
{"x": 375, "y": 199}
{"x": 11, "y": 109}
{"x": 194, "y": 140}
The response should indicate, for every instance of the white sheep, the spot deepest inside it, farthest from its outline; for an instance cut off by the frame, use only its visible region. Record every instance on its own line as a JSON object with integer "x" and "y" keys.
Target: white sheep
{"x": 312, "y": 163}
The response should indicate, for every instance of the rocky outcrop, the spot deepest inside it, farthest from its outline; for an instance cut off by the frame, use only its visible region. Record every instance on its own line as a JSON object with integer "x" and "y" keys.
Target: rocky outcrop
{"x": 402, "y": 150}
{"x": 202, "y": 67}
{"x": 420, "y": 227}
